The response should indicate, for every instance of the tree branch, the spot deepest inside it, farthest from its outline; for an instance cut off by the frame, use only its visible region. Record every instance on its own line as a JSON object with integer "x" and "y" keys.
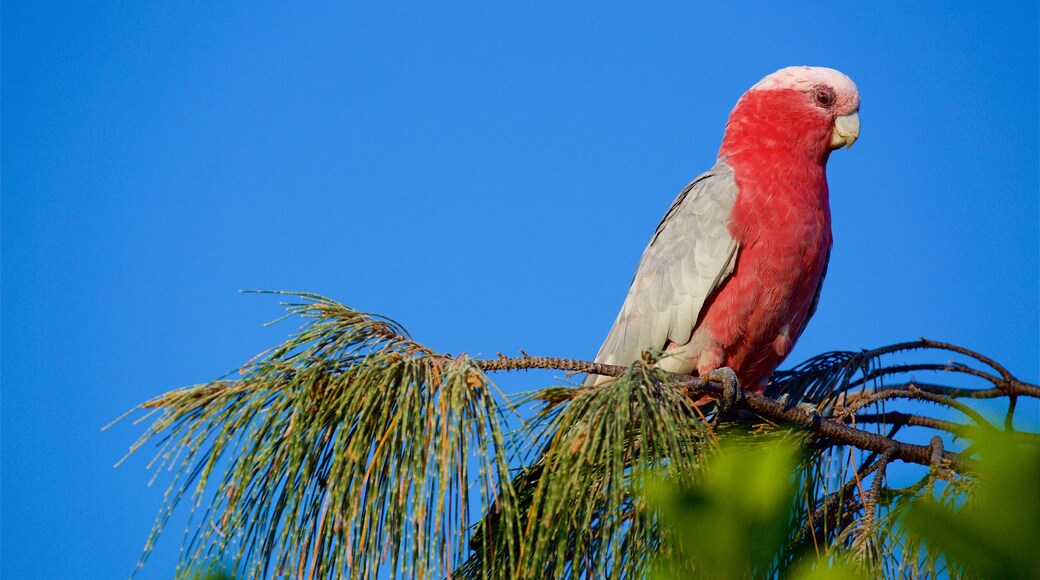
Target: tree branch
{"x": 826, "y": 428}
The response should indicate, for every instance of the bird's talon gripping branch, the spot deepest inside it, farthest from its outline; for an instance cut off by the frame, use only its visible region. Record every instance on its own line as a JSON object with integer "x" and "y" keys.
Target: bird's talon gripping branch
{"x": 939, "y": 464}
{"x": 732, "y": 394}
{"x": 810, "y": 411}
{"x": 937, "y": 449}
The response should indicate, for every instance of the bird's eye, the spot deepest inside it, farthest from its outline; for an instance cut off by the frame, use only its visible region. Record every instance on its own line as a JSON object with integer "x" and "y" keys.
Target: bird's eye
{"x": 823, "y": 96}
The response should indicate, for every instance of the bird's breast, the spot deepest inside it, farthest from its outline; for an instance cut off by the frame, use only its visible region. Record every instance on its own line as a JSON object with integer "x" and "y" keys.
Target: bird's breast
{"x": 784, "y": 236}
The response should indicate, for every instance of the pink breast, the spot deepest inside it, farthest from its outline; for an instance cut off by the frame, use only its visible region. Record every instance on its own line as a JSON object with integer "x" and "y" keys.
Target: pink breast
{"x": 758, "y": 314}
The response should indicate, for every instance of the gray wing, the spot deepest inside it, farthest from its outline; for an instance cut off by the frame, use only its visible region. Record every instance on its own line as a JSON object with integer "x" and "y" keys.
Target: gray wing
{"x": 688, "y": 258}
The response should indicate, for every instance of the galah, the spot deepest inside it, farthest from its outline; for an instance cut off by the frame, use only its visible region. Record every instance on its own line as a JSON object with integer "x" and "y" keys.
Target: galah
{"x": 734, "y": 270}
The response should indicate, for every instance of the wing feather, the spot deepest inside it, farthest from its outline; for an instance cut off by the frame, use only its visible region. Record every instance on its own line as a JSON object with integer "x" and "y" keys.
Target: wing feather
{"x": 688, "y": 258}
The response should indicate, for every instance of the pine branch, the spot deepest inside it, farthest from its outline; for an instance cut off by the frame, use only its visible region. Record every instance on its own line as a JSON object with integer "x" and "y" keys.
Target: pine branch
{"x": 830, "y": 429}
{"x": 353, "y": 447}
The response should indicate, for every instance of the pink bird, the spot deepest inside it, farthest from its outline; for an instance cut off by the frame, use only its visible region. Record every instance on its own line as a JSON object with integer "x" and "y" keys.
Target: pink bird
{"x": 733, "y": 272}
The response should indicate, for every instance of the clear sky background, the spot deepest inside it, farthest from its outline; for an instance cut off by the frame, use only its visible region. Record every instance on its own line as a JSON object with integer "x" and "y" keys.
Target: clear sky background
{"x": 486, "y": 175}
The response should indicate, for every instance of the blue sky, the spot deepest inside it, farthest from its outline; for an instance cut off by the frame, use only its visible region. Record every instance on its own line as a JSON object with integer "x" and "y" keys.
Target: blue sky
{"x": 486, "y": 175}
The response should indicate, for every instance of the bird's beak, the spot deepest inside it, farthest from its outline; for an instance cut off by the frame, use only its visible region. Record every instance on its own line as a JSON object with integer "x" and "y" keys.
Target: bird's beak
{"x": 846, "y": 131}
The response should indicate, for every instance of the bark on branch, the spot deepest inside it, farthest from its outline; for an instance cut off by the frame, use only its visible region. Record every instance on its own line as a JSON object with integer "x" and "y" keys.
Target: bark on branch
{"x": 826, "y": 428}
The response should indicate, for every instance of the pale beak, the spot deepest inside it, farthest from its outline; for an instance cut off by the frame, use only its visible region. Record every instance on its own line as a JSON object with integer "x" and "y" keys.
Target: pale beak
{"x": 846, "y": 131}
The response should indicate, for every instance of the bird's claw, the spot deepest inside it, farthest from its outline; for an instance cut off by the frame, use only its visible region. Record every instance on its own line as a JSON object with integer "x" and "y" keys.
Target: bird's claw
{"x": 940, "y": 465}
{"x": 810, "y": 411}
{"x": 732, "y": 394}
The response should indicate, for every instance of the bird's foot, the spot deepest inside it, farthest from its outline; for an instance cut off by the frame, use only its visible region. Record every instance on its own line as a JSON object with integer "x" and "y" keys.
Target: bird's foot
{"x": 732, "y": 394}
{"x": 810, "y": 410}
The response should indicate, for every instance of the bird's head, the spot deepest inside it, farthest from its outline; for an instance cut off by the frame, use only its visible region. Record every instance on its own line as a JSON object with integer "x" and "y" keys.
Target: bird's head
{"x": 800, "y": 108}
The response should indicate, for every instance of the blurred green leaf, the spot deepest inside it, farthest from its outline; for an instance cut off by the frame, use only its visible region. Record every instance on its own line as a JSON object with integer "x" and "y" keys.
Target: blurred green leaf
{"x": 814, "y": 570}
{"x": 735, "y": 518}
{"x": 994, "y": 534}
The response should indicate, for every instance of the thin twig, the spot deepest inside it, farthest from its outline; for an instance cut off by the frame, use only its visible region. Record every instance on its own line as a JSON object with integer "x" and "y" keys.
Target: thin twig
{"x": 913, "y": 393}
{"x": 898, "y": 418}
{"x": 870, "y": 505}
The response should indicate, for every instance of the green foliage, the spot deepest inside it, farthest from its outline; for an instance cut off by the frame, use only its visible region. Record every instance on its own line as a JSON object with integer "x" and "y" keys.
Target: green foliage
{"x": 352, "y": 450}
{"x": 215, "y": 573}
{"x": 348, "y": 447}
{"x": 735, "y": 518}
{"x": 581, "y": 513}
{"x": 994, "y": 533}
{"x": 834, "y": 570}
